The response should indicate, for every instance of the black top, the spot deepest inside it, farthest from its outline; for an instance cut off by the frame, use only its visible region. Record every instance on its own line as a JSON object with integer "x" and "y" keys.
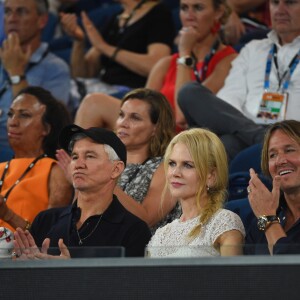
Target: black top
{"x": 256, "y": 242}
{"x": 117, "y": 227}
{"x": 155, "y": 27}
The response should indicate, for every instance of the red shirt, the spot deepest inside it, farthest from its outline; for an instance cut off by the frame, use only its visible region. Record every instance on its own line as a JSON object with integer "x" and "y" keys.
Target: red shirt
{"x": 168, "y": 88}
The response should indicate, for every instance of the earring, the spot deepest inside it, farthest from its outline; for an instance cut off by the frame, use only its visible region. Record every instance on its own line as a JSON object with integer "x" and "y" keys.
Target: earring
{"x": 216, "y": 27}
{"x": 207, "y": 188}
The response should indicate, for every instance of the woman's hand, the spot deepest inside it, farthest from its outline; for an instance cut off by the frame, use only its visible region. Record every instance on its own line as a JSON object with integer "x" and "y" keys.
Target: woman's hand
{"x": 63, "y": 160}
{"x": 93, "y": 34}
{"x": 188, "y": 37}
{"x": 71, "y": 27}
{"x": 262, "y": 201}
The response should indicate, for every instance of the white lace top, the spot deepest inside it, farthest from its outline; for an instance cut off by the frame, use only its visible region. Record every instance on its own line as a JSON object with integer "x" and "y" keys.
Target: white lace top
{"x": 172, "y": 240}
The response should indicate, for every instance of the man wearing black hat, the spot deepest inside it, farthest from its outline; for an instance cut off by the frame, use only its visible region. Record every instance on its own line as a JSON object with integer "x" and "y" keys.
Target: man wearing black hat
{"x": 96, "y": 218}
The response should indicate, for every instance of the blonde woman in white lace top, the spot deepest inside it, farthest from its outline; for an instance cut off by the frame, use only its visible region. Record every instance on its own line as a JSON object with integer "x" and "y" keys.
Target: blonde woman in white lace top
{"x": 197, "y": 173}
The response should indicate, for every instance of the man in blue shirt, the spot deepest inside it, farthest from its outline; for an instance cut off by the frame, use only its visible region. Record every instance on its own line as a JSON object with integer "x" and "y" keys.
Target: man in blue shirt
{"x": 25, "y": 60}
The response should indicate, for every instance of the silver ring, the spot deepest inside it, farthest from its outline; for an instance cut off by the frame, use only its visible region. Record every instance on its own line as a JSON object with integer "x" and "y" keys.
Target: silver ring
{"x": 15, "y": 254}
{"x": 185, "y": 29}
{"x": 248, "y": 189}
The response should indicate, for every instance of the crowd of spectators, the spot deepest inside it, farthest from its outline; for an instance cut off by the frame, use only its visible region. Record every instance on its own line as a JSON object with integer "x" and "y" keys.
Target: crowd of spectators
{"x": 228, "y": 66}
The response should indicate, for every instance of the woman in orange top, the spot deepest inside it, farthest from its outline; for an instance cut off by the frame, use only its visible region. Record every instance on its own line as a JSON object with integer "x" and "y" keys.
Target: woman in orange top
{"x": 32, "y": 181}
{"x": 200, "y": 51}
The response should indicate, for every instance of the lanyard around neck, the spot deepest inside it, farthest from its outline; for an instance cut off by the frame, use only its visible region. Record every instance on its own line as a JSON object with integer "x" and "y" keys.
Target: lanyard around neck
{"x": 31, "y": 165}
{"x": 272, "y": 56}
{"x": 201, "y": 74}
{"x": 132, "y": 13}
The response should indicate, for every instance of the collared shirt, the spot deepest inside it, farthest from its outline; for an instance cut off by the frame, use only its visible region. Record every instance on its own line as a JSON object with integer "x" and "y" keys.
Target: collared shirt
{"x": 45, "y": 70}
{"x": 244, "y": 85}
{"x": 256, "y": 241}
{"x": 117, "y": 227}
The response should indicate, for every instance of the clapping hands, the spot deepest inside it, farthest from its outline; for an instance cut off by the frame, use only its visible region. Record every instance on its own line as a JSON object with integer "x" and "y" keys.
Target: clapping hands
{"x": 25, "y": 247}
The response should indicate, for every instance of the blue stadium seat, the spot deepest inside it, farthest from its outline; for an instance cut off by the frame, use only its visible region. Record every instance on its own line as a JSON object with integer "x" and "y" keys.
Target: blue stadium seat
{"x": 49, "y": 30}
{"x": 242, "y": 208}
{"x": 239, "y": 172}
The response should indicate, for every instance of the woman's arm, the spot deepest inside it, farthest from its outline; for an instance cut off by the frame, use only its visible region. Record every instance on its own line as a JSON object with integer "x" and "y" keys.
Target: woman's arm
{"x": 60, "y": 190}
{"x": 80, "y": 65}
{"x": 137, "y": 63}
{"x": 10, "y": 217}
{"x": 214, "y": 82}
{"x": 143, "y": 63}
{"x": 231, "y": 243}
{"x": 153, "y": 208}
{"x": 216, "y": 79}
{"x": 158, "y": 73}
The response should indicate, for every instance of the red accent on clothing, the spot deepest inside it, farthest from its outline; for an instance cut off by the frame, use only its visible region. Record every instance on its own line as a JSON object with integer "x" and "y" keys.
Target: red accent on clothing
{"x": 168, "y": 88}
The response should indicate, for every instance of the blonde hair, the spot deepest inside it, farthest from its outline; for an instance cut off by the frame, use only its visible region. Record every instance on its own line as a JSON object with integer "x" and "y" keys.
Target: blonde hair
{"x": 208, "y": 154}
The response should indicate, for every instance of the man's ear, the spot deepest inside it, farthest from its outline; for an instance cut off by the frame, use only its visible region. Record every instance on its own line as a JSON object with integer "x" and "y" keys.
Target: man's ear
{"x": 118, "y": 168}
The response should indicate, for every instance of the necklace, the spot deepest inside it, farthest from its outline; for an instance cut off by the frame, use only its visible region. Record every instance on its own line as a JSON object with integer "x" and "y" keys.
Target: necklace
{"x": 81, "y": 239}
{"x": 201, "y": 74}
{"x": 31, "y": 165}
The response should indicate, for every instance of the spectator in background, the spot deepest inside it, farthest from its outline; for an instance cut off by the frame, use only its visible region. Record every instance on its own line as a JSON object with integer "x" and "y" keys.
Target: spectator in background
{"x": 248, "y": 18}
{"x": 123, "y": 54}
{"x": 196, "y": 171}
{"x": 277, "y": 228}
{"x": 200, "y": 52}
{"x": 255, "y": 91}
{"x": 77, "y": 6}
{"x": 32, "y": 181}
{"x": 25, "y": 60}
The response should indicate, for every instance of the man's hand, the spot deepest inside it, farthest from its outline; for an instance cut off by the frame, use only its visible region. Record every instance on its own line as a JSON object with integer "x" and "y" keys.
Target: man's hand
{"x": 262, "y": 201}
{"x": 13, "y": 57}
{"x": 26, "y": 248}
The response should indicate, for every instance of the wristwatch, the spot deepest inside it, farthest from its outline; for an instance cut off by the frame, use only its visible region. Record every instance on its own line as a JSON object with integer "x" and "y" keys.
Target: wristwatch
{"x": 188, "y": 61}
{"x": 16, "y": 79}
{"x": 264, "y": 222}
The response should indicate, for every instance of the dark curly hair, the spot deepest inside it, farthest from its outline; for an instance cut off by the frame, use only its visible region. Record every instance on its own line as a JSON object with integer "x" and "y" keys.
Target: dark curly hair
{"x": 56, "y": 116}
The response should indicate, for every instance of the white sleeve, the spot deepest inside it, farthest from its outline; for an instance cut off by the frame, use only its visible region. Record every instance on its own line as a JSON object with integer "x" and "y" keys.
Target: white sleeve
{"x": 225, "y": 220}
